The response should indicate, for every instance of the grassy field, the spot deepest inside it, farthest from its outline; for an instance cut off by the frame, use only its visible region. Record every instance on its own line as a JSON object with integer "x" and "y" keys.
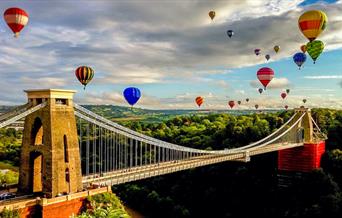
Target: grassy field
{"x": 6, "y": 165}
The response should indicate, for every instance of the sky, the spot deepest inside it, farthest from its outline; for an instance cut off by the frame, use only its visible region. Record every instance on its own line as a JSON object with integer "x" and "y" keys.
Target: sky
{"x": 171, "y": 51}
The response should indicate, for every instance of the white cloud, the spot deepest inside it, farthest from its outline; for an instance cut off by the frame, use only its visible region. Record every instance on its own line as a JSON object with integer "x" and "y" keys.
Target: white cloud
{"x": 276, "y": 83}
{"x": 324, "y": 77}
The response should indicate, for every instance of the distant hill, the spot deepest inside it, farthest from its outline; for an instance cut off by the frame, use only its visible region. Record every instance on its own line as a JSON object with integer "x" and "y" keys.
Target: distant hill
{"x": 122, "y": 114}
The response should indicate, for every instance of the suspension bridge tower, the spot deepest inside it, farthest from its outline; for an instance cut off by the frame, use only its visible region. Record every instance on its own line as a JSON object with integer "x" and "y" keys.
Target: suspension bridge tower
{"x": 50, "y": 157}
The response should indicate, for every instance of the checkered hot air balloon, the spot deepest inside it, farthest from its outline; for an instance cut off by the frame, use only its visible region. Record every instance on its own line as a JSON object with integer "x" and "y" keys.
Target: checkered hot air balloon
{"x": 265, "y": 75}
{"x": 314, "y": 49}
{"x": 16, "y": 19}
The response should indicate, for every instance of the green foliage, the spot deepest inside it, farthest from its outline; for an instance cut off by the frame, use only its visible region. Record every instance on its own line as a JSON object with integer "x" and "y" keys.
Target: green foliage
{"x": 10, "y": 144}
{"x": 105, "y": 205}
{"x": 9, "y": 177}
{"x": 6, "y": 213}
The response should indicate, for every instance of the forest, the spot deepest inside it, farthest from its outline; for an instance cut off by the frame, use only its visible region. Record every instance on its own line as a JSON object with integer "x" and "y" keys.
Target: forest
{"x": 231, "y": 189}
{"x": 235, "y": 189}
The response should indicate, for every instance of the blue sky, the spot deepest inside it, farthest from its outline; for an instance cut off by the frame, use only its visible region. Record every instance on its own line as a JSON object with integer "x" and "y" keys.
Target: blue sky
{"x": 171, "y": 51}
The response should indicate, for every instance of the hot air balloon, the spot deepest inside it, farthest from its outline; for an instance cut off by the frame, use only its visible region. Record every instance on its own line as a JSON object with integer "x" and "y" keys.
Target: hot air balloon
{"x": 267, "y": 57}
{"x": 260, "y": 90}
{"x": 247, "y": 99}
{"x": 231, "y": 104}
{"x": 304, "y": 100}
{"x": 230, "y": 33}
{"x": 276, "y": 48}
{"x": 256, "y": 106}
{"x": 16, "y": 19}
{"x": 287, "y": 91}
{"x": 314, "y": 49}
{"x": 265, "y": 75}
{"x": 239, "y": 102}
{"x": 84, "y": 74}
{"x": 211, "y": 14}
{"x": 303, "y": 48}
{"x": 299, "y": 58}
{"x": 199, "y": 101}
{"x": 132, "y": 95}
{"x": 283, "y": 95}
{"x": 286, "y": 107}
{"x": 257, "y": 51}
{"x": 312, "y": 23}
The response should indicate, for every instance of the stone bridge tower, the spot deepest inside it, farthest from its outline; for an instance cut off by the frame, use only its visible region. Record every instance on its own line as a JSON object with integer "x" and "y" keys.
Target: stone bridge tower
{"x": 50, "y": 159}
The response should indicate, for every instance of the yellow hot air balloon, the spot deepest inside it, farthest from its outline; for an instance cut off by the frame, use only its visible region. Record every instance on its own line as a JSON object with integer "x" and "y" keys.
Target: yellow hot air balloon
{"x": 211, "y": 14}
{"x": 312, "y": 23}
{"x": 276, "y": 48}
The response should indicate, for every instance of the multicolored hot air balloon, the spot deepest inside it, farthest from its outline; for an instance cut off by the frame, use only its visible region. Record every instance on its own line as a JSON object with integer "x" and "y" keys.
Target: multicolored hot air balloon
{"x": 231, "y": 104}
{"x": 212, "y": 14}
{"x": 84, "y": 74}
{"x": 283, "y": 95}
{"x": 303, "y": 48}
{"x": 260, "y": 90}
{"x": 132, "y": 95}
{"x": 314, "y": 49}
{"x": 16, "y": 19}
{"x": 287, "y": 91}
{"x": 267, "y": 57}
{"x": 265, "y": 75}
{"x": 199, "y": 101}
{"x": 276, "y": 48}
{"x": 230, "y": 33}
{"x": 299, "y": 58}
{"x": 286, "y": 107}
{"x": 304, "y": 100}
{"x": 256, "y": 106}
{"x": 239, "y": 102}
{"x": 257, "y": 51}
{"x": 247, "y": 99}
{"x": 312, "y": 23}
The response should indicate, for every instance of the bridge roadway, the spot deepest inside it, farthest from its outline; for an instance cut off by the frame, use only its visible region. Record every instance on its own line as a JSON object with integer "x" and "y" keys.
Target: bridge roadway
{"x": 142, "y": 172}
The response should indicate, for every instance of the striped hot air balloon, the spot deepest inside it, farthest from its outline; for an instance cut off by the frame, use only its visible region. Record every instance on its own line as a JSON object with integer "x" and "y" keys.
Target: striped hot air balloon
{"x": 265, "y": 75}
{"x": 16, "y": 19}
{"x": 231, "y": 104}
{"x": 314, "y": 49}
{"x": 84, "y": 74}
{"x": 312, "y": 23}
{"x": 199, "y": 101}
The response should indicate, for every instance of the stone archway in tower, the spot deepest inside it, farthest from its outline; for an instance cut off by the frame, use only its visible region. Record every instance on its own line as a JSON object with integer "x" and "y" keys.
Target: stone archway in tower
{"x": 36, "y": 174}
{"x": 37, "y": 132}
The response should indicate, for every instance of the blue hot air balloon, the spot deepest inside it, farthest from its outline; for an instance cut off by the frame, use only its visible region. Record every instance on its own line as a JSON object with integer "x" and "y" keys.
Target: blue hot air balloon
{"x": 132, "y": 95}
{"x": 299, "y": 58}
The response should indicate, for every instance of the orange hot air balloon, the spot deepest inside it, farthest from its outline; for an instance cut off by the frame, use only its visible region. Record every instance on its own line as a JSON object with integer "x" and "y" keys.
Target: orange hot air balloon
{"x": 199, "y": 101}
{"x": 303, "y": 48}
{"x": 312, "y": 23}
{"x": 283, "y": 95}
{"x": 231, "y": 104}
{"x": 212, "y": 14}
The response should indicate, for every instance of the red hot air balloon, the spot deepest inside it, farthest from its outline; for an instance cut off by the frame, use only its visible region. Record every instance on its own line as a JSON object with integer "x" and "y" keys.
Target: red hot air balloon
{"x": 231, "y": 104}
{"x": 265, "y": 75}
{"x": 16, "y": 19}
{"x": 286, "y": 107}
{"x": 199, "y": 101}
{"x": 283, "y": 95}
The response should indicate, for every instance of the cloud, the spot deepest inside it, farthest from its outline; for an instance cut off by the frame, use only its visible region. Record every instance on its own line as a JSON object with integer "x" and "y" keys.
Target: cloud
{"x": 276, "y": 83}
{"x": 324, "y": 77}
